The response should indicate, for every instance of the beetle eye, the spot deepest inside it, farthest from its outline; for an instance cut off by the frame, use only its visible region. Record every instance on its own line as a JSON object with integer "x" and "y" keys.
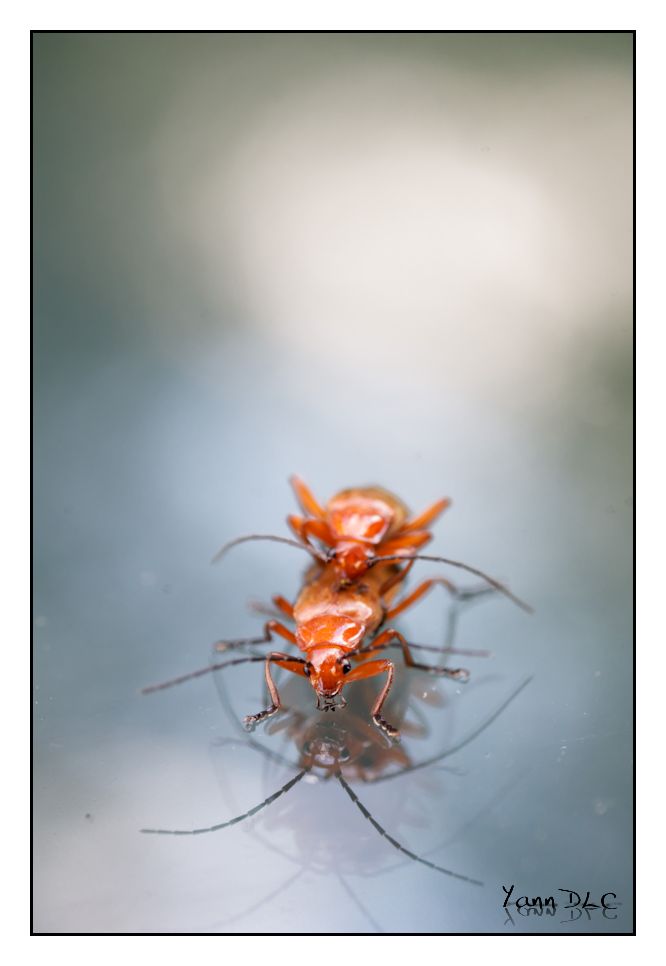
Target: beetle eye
{"x": 346, "y": 667}
{"x": 306, "y": 670}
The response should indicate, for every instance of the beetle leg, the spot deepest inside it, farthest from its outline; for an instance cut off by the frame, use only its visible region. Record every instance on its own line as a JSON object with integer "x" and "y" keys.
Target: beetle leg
{"x": 397, "y": 578}
{"x": 270, "y": 628}
{"x": 423, "y": 521}
{"x": 305, "y": 498}
{"x": 306, "y": 528}
{"x": 294, "y": 664}
{"x": 368, "y": 670}
{"x": 404, "y": 545}
{"x": 283, "y": 604}
{"x": 418, "y": 592}
{"x": 388, "y": 638}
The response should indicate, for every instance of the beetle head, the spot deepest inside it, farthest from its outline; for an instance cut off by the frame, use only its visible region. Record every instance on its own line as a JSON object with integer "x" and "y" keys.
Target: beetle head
{"x": 326, "y": 668}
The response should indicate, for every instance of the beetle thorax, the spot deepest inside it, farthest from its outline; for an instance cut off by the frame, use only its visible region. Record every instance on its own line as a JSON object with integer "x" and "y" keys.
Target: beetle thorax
{"x": 332, "y": 631}
{"x": 365, "y": 514}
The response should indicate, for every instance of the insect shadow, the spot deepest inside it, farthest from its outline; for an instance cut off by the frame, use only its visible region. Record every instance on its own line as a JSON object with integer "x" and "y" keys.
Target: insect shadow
{"x": 346, "y": 749}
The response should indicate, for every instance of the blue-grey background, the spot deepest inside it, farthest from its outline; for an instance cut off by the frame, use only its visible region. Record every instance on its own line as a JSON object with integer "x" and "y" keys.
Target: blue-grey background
{"x": 402, "y": 259}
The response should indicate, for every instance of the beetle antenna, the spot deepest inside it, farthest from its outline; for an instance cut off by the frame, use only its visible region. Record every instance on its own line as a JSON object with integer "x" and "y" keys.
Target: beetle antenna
{"x": 232, "y": 821}
{"x": 269, "y": 536}
{"x": 401, "y": 848}
{"x": 457, "y": 563}
{"x": 172, "y": 682}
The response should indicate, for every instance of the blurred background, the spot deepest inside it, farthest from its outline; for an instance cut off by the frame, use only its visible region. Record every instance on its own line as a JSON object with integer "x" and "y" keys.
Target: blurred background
{"x": 393, "y": 258}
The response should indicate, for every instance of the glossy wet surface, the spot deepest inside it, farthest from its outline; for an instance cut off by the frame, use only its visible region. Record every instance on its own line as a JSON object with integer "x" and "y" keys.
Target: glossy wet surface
{"x": 216, "y": 308}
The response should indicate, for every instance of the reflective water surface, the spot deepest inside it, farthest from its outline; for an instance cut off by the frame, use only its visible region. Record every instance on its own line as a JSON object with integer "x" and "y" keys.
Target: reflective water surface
{"x": 402, "y": 260}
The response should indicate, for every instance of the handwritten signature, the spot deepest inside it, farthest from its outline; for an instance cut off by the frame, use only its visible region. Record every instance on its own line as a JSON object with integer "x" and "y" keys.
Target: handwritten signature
{"x": 575, "y": 903}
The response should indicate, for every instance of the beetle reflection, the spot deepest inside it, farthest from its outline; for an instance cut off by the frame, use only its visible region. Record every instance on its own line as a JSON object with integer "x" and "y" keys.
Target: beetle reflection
{"x": 344, "y": 748}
